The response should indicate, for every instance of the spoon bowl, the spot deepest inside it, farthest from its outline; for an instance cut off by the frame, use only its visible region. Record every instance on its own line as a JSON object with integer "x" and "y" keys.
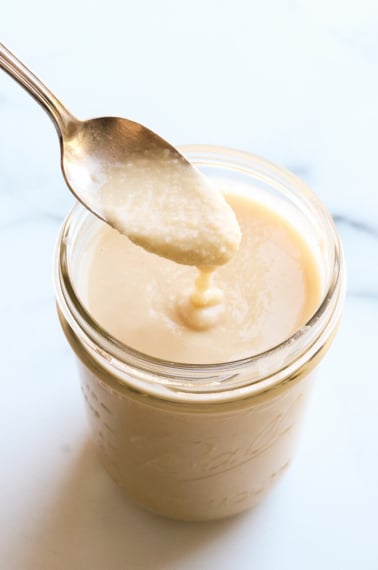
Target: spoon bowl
{"x": 98, "y": 148}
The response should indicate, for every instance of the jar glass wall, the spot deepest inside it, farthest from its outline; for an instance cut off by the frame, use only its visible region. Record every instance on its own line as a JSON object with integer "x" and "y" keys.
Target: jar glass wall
{"x": 199, "y": 442}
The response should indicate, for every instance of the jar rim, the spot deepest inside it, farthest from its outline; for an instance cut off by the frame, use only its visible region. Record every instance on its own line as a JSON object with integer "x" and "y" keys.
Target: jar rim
{"x": 305, "y": 342}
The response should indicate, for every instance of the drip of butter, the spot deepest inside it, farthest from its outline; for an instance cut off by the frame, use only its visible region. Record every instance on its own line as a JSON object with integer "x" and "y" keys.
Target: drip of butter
{"x": 202, "y": 308}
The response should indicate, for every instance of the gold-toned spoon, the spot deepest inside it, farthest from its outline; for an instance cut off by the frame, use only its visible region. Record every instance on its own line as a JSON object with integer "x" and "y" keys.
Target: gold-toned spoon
{"x": 104, "y": 159}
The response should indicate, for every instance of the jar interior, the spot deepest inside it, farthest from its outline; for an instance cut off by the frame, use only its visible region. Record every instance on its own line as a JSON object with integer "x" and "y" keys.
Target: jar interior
{"x": 268, "y": 183}
{"x": 300, "y": 209}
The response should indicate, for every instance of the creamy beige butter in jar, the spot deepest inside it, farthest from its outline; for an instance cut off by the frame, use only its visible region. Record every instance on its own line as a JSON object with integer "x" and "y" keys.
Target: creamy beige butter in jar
{"x": 196, "y": 412}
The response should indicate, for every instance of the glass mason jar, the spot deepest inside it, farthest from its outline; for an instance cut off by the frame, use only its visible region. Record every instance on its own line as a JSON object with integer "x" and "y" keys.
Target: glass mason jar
{"x": 198, "y": 442}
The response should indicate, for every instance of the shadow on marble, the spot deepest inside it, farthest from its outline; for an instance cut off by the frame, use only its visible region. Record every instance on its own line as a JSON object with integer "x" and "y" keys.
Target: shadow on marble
{"x": 87, "y": 522}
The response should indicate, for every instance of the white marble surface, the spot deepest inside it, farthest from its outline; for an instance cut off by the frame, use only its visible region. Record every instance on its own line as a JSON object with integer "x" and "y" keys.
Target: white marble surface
{"x": 294, "y": 81}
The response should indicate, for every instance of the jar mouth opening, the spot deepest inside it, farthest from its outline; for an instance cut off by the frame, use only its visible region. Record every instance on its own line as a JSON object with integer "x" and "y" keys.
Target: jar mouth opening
{"x": 110, "y": 347}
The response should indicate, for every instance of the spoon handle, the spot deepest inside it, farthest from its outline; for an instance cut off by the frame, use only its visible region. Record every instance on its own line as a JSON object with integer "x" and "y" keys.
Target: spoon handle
{"x": 64, "y": 122}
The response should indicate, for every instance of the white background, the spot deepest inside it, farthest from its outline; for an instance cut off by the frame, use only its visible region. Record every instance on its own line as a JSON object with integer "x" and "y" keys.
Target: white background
{"x": 294, "y": 81}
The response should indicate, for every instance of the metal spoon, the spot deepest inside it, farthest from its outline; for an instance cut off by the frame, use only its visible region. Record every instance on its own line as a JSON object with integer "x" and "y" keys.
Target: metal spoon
{"x": 87, "y": 146}
{"x": 119, "y": 169}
